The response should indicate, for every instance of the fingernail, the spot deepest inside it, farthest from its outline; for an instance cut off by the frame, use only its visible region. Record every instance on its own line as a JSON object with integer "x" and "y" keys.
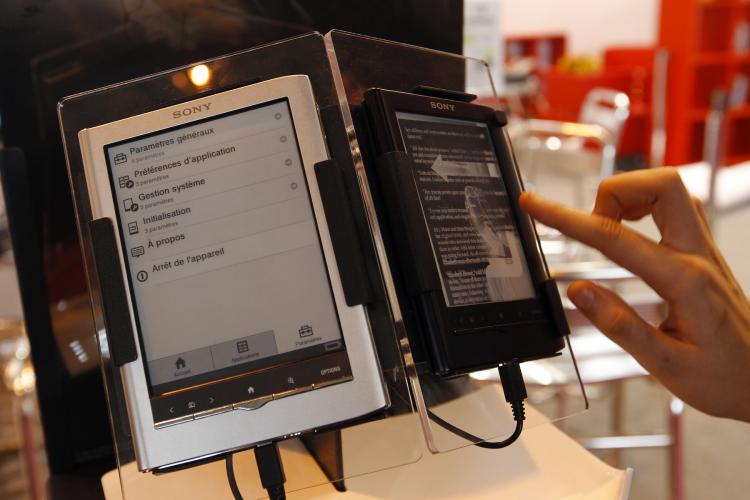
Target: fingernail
{"x": 582, "y": 297}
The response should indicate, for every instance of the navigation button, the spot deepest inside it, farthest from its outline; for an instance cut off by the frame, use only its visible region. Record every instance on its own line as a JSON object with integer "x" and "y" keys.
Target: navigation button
{"x": 292, "y": 392}
{"x": 327, "y": 383}
{"x": 305, "y": 331}
{"x": 213, "y": 411}
{"x": 252, "y": 404}
{"x": 244, "y": 350}
{"x": 173, "y": 421}
{"x": 179, "y": 366}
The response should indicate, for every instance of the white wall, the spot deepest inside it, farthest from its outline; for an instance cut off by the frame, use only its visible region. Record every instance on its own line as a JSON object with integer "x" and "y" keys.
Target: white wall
{"x": 591, "y": 25}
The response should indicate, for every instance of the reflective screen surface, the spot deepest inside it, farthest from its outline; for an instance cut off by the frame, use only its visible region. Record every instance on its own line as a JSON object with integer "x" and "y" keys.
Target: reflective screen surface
{"x": 466, "y": 208}
{"x": 220, "y": 238}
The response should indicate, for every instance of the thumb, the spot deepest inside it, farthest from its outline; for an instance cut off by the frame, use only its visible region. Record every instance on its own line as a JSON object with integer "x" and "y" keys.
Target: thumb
{"x": 653, "y": 349}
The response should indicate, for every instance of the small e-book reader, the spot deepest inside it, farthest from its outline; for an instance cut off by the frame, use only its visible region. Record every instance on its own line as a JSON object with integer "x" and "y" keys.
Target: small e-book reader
{"x": 469, "y": 257}
{"x": 242, "y": 330}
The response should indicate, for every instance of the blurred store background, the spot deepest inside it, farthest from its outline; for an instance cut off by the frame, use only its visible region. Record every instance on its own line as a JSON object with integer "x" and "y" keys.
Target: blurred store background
{"x": 591, "y": 88}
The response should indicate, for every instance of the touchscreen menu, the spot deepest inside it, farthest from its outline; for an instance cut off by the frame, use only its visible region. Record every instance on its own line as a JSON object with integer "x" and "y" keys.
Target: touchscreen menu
{"x": 225, "y": 263}
{"x": 466, "y": 208}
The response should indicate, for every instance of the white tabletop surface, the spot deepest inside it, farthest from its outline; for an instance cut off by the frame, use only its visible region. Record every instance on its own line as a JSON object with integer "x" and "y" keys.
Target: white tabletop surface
{"x": 544, "y": 464}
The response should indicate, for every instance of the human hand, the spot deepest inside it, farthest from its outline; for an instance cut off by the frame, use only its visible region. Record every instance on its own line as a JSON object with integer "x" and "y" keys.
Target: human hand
{"x": 701, "y": 351}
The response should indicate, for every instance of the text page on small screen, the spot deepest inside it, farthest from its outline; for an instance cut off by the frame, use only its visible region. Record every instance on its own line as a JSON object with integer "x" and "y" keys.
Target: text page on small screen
{"x": 222, "y": 247}
{"x": 466, "y": 208}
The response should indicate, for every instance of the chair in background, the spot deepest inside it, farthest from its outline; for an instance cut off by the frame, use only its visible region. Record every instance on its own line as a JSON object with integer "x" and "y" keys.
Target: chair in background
{"x": 722, "y": 190}
{"x": 575, "y": 150}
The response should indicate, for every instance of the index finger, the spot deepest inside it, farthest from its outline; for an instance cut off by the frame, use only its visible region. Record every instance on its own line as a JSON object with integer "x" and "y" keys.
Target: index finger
{"x": 661, "y": 193}
{"x": 657, "y": 265}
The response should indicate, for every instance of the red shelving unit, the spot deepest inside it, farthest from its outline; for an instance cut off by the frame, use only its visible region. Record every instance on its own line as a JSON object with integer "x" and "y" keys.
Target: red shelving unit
{"x": 545, "y": 48}
{"x": 709, "y": 49}
{"x": 628, "y": 69}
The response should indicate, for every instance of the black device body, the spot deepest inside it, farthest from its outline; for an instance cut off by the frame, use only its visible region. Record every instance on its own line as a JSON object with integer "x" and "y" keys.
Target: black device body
{"x": 452, "y": 339}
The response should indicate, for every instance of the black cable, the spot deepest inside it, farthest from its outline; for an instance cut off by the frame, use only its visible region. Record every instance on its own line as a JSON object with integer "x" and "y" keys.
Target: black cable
{"x": 271, "y": 470}
{"x": 515, "y": 393}
{"x": 477, "y": 441}
{"x": 232, "y": 480}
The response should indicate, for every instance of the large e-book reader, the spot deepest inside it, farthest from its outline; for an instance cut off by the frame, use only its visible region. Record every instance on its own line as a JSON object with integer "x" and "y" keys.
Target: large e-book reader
{"x": 242, "y": 330}
{"x": 469, "y": 258}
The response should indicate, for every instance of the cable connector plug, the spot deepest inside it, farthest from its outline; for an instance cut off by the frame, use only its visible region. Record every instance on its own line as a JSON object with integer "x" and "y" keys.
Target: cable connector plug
{"x": 514, "y": 388}
{"x": 271, "y": 470}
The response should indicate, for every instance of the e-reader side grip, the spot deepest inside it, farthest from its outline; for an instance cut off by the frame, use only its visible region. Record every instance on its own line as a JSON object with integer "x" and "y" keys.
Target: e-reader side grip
{"x": 550, "y": 295}
{"x": 117, "y": 322}
{"x": 395, "y": 171}
{"x": 344, "y": 235}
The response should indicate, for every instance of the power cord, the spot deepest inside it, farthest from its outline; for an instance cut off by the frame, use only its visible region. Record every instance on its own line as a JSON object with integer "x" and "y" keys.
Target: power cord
{"x": 270, "y": 468}
{"x": 232, "y": 479}
{"x": 515, "y": 393}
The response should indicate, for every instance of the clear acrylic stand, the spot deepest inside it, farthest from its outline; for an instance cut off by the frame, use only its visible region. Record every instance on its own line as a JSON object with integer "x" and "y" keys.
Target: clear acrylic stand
{"x": 474, "y": 403}
{"x": 317, "y": 456}
{"x": 341, "y": 67}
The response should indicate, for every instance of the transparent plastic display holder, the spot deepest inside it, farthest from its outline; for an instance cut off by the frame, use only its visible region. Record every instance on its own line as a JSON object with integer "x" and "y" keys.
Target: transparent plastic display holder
{"x": 474, "y": 403}
{"x": 317, "y": 456}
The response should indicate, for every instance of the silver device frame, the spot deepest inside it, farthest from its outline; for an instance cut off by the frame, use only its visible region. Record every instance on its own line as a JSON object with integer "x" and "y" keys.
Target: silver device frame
{"x": 219, "y": 433}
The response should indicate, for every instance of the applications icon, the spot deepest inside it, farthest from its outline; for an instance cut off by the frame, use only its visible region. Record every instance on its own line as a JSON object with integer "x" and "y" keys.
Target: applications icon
{"x": 129, "y": 205}
{"x": 132, "y": 228}
{"x": 125, "y": 182}
{"x": 137, "y": 251}
{"x": 120, "y": 158}
{"x": 242, "y": 346}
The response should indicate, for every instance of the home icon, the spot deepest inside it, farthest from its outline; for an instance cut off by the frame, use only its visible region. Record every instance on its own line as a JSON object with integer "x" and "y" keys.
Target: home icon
{"x": 180, "y": 364}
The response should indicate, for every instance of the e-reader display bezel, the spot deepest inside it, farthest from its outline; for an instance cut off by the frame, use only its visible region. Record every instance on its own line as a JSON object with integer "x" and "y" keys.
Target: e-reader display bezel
{"x": 330, "y": 388}
{"x": 456, "y": 339}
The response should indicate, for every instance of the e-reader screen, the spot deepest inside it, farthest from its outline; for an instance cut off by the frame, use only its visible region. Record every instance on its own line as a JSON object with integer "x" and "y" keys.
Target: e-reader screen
{"x": 225, "y": 262}
{"x": 472, "y": 228}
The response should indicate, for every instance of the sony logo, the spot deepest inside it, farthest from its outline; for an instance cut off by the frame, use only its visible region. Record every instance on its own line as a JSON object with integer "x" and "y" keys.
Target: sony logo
{"x": 442, "y": 106}
{"x": 192, "y": 110}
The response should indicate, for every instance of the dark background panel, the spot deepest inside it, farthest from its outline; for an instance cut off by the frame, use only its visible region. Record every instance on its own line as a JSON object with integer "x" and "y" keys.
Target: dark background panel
{"x": 53, "y": 48}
